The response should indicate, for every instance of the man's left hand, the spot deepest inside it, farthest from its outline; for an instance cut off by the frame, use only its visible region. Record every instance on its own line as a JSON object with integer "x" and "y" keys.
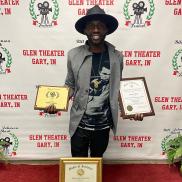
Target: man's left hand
{"x": 137, "y": 117}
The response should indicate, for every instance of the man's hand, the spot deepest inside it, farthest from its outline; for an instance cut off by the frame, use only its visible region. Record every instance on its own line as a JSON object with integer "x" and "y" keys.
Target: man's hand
{"x": 137, "y": 117}
{"x": 51, "y": 109}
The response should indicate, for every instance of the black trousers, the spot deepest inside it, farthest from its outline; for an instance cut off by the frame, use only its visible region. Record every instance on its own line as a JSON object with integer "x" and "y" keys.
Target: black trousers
{"x": 84, "y": 140}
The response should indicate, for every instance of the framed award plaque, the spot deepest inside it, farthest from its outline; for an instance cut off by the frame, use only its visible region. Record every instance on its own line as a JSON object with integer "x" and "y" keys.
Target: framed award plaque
{"x": 80, "y": 169}
{"x": 134, "y": 97}
{"x": 48, "y": 95}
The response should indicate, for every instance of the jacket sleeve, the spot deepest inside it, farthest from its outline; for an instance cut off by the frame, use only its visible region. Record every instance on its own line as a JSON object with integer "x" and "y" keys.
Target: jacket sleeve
{"x": 121, "y": 71}
{"x": 121, "y": 65}
{"x": 70, "y": 80}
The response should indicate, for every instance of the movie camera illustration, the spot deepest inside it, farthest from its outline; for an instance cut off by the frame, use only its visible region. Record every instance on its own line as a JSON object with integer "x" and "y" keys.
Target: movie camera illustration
{"x": 138, "y": 9}
{"x": 1, "y": 61}
{"x": 44, "y": 10}
{"x": 5, "y": 143}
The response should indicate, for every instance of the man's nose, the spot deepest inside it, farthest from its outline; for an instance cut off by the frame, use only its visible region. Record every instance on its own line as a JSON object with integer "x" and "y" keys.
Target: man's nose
{"x": 95, "y": 28}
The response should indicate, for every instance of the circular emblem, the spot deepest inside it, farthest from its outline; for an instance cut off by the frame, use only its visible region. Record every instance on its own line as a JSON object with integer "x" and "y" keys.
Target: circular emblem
{"x": 52, "y": 94}
{"x": 80, "y": 172}
{"x": 129, "y": 108}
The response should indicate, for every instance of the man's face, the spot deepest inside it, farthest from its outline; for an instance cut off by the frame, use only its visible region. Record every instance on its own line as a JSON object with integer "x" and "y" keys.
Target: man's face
{"x": 96, "y": 32}
{"x": 105, "y": 73}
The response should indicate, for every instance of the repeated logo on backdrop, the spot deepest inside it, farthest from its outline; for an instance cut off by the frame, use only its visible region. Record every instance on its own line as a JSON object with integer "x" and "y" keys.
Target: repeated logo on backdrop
{"x": 12, "y": 100}
{"x": 177, "y": 63}
{"x": 138, "y": 13}
{"x": 6, "y": 6}
{"x": 9, "y": 141}
{"x": 81, "y": 10}
{"x": 170, "y": 134}
{"x": 43, "y": 56}
{"x": 128, "y": 142}
{"x": 5, "y": 60}
{"x": 141, "y": 58}
{"x": 48, "y": 140}
{"x": 44, "y": 14}
{"x": 176, "y": 5}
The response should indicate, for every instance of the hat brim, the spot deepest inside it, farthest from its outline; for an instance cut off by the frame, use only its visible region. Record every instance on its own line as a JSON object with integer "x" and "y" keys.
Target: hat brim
{"x": 110, "y": 21}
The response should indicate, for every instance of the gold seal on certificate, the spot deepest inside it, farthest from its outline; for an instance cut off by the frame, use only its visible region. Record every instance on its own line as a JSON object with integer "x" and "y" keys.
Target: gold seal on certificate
{"x": 48, "y": 95}
{"x": 80, "y": 169}
{"x": 134, "y": 97}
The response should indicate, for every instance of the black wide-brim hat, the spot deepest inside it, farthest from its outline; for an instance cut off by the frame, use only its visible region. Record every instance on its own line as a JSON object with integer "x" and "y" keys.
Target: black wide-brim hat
{"x": 96, "y": 13}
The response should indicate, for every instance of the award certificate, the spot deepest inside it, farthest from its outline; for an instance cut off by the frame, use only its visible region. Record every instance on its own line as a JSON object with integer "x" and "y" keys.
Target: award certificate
{"x": 134, "y": 97}
{"x": 48, "y": 95}
{"x": 81, "y": 169}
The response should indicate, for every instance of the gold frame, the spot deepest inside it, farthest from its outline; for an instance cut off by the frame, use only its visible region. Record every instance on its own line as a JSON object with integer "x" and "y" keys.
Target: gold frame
{"x": 121, "y": 103}
{"x": 44, "y": 97}
{"x": 80, "y": 161}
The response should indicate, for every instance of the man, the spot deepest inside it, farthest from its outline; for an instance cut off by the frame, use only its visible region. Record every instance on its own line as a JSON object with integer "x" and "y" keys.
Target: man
{"x": 94, "y": 73}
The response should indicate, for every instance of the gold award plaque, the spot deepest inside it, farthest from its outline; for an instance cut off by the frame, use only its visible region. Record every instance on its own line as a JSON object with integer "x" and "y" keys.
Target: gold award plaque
{"x": 78, "y": 169}
{"x": 48, "y": 95}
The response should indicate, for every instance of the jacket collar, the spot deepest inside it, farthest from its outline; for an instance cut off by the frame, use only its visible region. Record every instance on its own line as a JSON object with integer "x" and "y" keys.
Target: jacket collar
{"x": 88, "y": 53}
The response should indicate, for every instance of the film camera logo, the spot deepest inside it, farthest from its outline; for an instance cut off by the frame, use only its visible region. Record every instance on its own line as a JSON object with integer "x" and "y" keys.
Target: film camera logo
{"x": 9, "y": 144}
{"x": 5, "y": 61}
{"x": 44, "y": 14}
{"x": 177, "y": 63}
{"x": 138, "y": 13}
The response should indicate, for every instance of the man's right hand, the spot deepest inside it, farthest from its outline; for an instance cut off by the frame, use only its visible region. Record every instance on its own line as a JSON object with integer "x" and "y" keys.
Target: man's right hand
{"x": 51, "y": 109}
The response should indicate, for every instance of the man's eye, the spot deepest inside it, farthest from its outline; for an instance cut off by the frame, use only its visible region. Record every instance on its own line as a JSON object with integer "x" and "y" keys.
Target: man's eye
{"x": 93, "y": 26}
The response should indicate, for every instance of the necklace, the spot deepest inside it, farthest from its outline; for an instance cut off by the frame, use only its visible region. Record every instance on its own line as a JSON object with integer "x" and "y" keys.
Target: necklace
{"x": 94, "y": 71}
